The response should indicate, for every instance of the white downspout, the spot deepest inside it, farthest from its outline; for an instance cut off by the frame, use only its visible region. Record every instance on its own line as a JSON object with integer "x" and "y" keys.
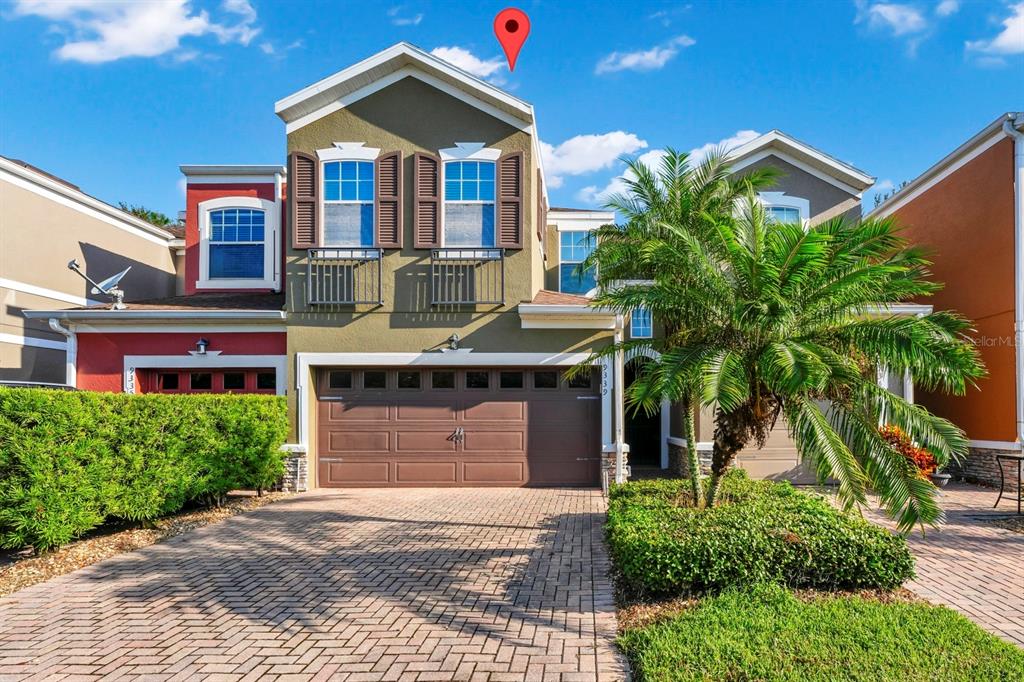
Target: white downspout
{"x": 1010, "y": 128}
{"x": 619, "y": 397}
{"x": 70, "y": 354}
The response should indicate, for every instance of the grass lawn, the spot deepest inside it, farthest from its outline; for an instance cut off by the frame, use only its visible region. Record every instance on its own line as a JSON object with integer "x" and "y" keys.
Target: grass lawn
{"x": 766, "y": 633}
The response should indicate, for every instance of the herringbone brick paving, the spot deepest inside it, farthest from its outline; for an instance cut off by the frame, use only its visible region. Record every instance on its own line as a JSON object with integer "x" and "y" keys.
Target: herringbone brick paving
{"x": 422, "y": 584}
{"x": 971, "y": 565}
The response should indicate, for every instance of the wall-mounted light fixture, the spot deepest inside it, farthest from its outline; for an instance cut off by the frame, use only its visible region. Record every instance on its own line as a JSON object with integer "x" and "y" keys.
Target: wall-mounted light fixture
{"x": 201, "y": 345}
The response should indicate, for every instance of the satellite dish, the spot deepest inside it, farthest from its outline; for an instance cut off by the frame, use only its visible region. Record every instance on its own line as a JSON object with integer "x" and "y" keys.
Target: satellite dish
{"x": 109, "y": 283}
{"x": 107, "y": 286}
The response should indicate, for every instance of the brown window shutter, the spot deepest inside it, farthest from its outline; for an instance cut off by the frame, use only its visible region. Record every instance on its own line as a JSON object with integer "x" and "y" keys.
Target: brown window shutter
{"x": 303, "y": 189}
{"x": 510, "y": 201}
{"x": 388, "y": 209}
{"x": 426, "y": 217}
{"x": 542, "y": 209}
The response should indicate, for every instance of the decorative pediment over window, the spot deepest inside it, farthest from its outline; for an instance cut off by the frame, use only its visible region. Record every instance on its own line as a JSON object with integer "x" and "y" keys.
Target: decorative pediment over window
{"x": 463, "y": 151}
{"x": 356, "y": 151}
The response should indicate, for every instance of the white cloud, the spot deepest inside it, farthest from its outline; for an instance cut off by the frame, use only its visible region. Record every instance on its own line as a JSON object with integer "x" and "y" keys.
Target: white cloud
{"x": 643, "y": 60}
{"x": 898, "y": 19}
{"x": 99, "y": 31}
{"x": 738, "y": 139}
{"x": 947, "y": 8}
{"x": 469, "y": 62}
{"x": 586, "y": 154}
{"x": 882, "y": 186}
{"x": 593, "y": 194}
{"x": 399, "y": 18}
{"x": 1008, "y": 41}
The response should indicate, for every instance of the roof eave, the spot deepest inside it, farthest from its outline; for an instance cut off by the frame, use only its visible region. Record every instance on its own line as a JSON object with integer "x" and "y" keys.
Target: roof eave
{"x": 155, "y": 315}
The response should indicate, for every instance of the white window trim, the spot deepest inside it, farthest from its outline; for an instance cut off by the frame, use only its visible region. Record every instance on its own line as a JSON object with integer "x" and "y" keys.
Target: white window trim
{"x": 588, "y": 294}
{"x": 781, "y": 200}
{"x": 271, "y": 231}
{"x": 470, "y": 151}
{"x": 473, "y": 153}
{"x": 209, "y": 362}
{"x": 348, "y": 151}
{"x": 345, "y": 151}
{"x": 632, "y": 333}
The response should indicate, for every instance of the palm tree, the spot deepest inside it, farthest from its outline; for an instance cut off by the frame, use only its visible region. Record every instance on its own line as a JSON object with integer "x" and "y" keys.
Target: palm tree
{"x": 764, "y": 320}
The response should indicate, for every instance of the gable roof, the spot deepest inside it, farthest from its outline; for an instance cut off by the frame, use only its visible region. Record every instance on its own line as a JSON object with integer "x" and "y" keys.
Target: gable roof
{"x": 803, "y": 156}
{"x": 389, "y": 66}
{"x": 948, "y": 164}
{"x": 57, "y": 189}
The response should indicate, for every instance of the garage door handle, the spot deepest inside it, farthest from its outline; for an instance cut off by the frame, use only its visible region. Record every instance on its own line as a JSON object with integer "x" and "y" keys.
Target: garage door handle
{"x": 588, "y": 397}
{"x": 587, "y": 459}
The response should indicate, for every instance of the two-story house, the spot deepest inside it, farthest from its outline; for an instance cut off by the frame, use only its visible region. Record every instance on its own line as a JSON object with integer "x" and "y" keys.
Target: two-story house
{"x": 403, "y": 280}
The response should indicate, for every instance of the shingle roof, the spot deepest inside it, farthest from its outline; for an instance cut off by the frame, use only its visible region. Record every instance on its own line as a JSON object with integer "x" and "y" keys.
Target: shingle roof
{"x": 205, "y": 302}
{"x": 546, "y": 297}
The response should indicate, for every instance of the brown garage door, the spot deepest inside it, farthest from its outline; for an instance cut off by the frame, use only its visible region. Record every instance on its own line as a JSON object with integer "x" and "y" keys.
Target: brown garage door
{"x": 465, "y": 427}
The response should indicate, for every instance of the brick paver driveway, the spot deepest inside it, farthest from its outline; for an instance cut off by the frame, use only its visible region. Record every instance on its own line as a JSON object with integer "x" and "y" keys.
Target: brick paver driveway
{"x": 495, "y": 584}
{"x": 971, "y": 565}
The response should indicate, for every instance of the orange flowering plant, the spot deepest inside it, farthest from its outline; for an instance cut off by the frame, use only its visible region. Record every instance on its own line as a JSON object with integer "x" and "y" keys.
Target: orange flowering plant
{"x": 922, "y": 459}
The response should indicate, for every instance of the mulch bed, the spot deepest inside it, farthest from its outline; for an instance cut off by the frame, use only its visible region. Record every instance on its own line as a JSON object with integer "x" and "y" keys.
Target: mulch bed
{"x": 19, "y": 570}
{"x": 1014, "y": 523}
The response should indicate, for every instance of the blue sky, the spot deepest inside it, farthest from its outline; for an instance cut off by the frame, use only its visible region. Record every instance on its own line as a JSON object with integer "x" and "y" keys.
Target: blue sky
{"x": 113, "y": 96}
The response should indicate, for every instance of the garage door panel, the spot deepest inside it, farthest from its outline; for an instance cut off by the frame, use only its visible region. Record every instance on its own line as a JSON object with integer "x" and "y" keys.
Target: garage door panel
{"x": 339, "y": 472}
{"x": 426, "y": 472}
{"x": 508, "y": 473}
{"x": 561, "y": 443}
{"x": 359, "y": 441}
{"x": 493, "y": 441}
{"x": 566, "y": 472}
{"x": 494, "y": 410}
{"x": 560, "y": 412}
{"x": 347, "y": 411}
{"x": 425, "y": 441}
{"x": 425, "y": 412}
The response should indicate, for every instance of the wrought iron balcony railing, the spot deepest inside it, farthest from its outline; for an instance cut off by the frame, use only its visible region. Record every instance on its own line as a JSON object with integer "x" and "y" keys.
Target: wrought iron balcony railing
{"x": 467, "y": 276}
{"x": 344, "y": 277}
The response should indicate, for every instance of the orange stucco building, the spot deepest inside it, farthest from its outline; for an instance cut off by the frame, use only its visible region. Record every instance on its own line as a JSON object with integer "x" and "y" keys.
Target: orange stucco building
{"x": 966, "y": 210}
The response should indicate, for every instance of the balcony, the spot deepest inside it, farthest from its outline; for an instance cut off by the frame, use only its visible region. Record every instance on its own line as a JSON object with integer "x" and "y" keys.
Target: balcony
{"x": 467, "y": 276}
{"x": 344, "y": 277}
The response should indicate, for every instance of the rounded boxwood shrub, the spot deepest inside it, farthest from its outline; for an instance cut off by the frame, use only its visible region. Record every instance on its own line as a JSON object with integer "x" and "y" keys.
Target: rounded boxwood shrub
{"x": 71, "y": 460}
{"x": 761, "y": 532}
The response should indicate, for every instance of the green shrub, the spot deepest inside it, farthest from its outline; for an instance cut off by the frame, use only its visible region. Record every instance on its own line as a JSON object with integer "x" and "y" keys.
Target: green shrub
{"x": 764, "y": 633}
{"x": 761, "y": 532}
{"x": 71, "y": 460}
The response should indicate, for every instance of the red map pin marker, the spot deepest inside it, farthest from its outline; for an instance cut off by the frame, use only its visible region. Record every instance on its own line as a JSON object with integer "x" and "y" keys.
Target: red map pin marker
{"x": 511, "y": 26}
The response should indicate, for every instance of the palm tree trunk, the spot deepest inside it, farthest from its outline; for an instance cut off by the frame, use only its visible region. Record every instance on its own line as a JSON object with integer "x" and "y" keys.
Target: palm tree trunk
{"x": 732, "y": 431}
{"x": 693, "y": 459}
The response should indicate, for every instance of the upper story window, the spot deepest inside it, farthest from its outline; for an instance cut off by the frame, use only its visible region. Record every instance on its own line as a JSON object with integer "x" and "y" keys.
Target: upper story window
{"x": 781, "y": 208}
{"x": 237, "y": 243}
{"x": 641, "y": 324}
{"x": 348, "y": 203}
{"x": 469, "y": 203}
{"x": 574, "y": 247}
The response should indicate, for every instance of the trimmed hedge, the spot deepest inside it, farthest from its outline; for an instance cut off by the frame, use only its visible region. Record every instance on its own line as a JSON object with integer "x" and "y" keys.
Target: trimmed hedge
{"x": 71, "y": 460}
{"x": 761, "y": 532}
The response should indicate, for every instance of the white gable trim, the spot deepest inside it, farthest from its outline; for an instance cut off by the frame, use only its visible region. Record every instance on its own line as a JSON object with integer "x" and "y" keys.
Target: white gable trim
{"x": 407, "y": 71}
{"x": 760, "y": 147}
{"x": 81, "y": 202}
{"x": 774, "y": 151}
